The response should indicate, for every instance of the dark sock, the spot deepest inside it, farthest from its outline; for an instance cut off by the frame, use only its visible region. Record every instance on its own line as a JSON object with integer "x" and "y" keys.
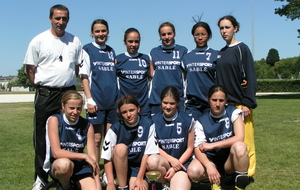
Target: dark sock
{"x": 123, "y": 188}
{"x": 242, "y": 179}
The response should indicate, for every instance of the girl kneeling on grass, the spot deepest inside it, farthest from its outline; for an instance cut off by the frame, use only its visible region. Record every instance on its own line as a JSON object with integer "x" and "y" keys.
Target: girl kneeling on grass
{"x": 69, "y": 134}
{"x": 219, "y": 146}
{"x": 127, "y": 146}
{"x": 175, "y": 135}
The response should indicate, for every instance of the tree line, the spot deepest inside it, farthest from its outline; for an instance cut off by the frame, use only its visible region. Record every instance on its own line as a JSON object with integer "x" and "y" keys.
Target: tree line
{"x": 275, "y": 68}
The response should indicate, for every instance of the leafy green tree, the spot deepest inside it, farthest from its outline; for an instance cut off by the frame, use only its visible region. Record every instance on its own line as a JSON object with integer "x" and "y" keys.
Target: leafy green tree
{"x": 297, "y": 68}
{"x": 23, "y": 79}
{"x": 291, "y": 10}
{"x": 286, "y": 74}
{"x": 298, "y": 35}
{"x": 263, "y": 70}
{"x": 273, "y": 57}
{"x": 288, "y": 68}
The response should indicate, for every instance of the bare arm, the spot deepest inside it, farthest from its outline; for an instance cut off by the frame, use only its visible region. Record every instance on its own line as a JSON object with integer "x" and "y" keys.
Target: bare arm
{"x": 175, "y": 163}
{"x": 211, "y": 170}
{"x": 91, "y": 105}
{"x": 91, "y": 149}
{"x": 190, "y": 146}
{"x": 238, "y": 127}
{"x": 108, "y": 168}
{"x": 86, "y": 86}
{"x": 92, "y": 153}
{"x": 139, "y": 182}
{"x": 151, "y": 69}
{"x": 30, "y": 72}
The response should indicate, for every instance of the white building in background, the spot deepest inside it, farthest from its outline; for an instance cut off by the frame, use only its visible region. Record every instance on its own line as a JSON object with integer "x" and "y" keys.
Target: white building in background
{"x": 19, "y": 89}
{"x": 5, "y": 80}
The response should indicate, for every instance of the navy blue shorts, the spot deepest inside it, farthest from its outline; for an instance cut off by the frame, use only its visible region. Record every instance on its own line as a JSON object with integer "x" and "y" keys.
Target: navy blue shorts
{"x": 155, "y": 108}
{"x": 220, "y": 158}
{"x": 133, "y": 171}
{"x": 102, "y": 117}
{"x": 195, "y": 111}
{"x": 81, "y": 170}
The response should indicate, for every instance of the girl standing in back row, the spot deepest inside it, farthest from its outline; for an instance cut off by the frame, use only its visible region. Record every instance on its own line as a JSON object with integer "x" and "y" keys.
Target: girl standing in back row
{"x": 133, "y": 70}
{"x": 166, "y": 68}
{"x": 200, "y": 69}
{"x": 235, "y": 65}
{"x": 99, "y": 82}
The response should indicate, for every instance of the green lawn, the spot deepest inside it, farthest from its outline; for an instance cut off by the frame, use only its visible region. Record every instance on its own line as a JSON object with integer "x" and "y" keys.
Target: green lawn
{"x": 277, "y": 125}
{"x": 16, "y": 92}
{"x": 277, "y": 133}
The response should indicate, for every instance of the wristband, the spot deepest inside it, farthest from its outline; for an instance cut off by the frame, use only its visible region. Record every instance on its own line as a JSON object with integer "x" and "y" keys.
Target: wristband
{"x": 91, "y": 101}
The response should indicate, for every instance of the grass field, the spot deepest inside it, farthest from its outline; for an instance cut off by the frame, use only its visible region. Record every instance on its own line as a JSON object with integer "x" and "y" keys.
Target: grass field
{"x": 17, "y": 92}
{"x": 277, "y": 125}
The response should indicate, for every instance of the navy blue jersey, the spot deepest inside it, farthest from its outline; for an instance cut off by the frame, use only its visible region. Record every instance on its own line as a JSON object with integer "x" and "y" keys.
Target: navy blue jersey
{"x": 217, "y": 128}
{"x": 172, "y": 136}
{"x": 140, "y": 140}
{"x": 102, "y": 74}
{"x": 168, "y": 71}
{"x": 200, "y": 67}
{"x": 72, "y": 138}
{"x": 235, "y": 63}
{"x": 132, "y": 73}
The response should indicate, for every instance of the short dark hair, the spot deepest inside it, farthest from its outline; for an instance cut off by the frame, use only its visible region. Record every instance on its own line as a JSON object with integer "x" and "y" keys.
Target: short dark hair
{"x": 170, "y": 91}
{"x": 216, "y": 88}
{"x": 129, "y": 30}
{"x": 58, "y": 7}
{"x": 99, "y": 21}
{"x": 127, "y": 99}
{"x": 204, "y": 25}
{"x": 166, "y": 24}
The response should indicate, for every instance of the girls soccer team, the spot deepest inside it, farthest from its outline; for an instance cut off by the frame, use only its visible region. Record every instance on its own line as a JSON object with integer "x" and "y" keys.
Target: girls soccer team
{"x": 185, "y": 125}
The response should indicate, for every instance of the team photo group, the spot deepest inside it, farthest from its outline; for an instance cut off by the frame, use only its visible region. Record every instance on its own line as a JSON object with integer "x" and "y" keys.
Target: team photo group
{"x": 184, "y": 115}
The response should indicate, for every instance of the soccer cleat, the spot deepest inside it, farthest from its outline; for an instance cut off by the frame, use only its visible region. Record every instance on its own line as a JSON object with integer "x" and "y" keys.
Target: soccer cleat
{"x": 215, "y": 186}
{"x": 237, "y": 188}
{"x": 38, "y": 184}
{"x": 241, "y": 181}
{"x": 165, "y": 186}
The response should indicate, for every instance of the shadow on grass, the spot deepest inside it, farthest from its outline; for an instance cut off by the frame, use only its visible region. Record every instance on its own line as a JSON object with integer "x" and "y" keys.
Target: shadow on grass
{"x": 279, "y": 96}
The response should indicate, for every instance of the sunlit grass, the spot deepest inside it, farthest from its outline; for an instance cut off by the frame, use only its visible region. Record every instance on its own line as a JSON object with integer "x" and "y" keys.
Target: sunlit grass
{"x": 276, "y": 134}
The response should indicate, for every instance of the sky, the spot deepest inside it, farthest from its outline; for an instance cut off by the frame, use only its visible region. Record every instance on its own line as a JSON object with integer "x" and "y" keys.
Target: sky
{"x": 260, "y": 28}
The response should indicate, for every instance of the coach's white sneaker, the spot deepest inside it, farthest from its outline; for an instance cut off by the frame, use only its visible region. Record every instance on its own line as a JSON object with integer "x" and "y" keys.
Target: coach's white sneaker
{"x": 103, "y": 180}
{"x": 166, "y": 186}
{"x": 38, "y": 184}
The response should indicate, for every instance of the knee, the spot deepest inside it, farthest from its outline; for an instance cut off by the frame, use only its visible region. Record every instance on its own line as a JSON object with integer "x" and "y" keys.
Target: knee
{"x": 120, "y": 150}
{"x": 63, "y": 166}
{"x": 153, "y": 162}
{"x": 195, "y": 171}
{"x": 239, "y": 149}
{"x": 97, "y": 137}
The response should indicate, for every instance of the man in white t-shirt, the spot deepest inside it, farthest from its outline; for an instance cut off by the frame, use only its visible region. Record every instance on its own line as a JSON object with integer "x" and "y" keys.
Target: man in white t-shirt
{"x": 51, "y": 63}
